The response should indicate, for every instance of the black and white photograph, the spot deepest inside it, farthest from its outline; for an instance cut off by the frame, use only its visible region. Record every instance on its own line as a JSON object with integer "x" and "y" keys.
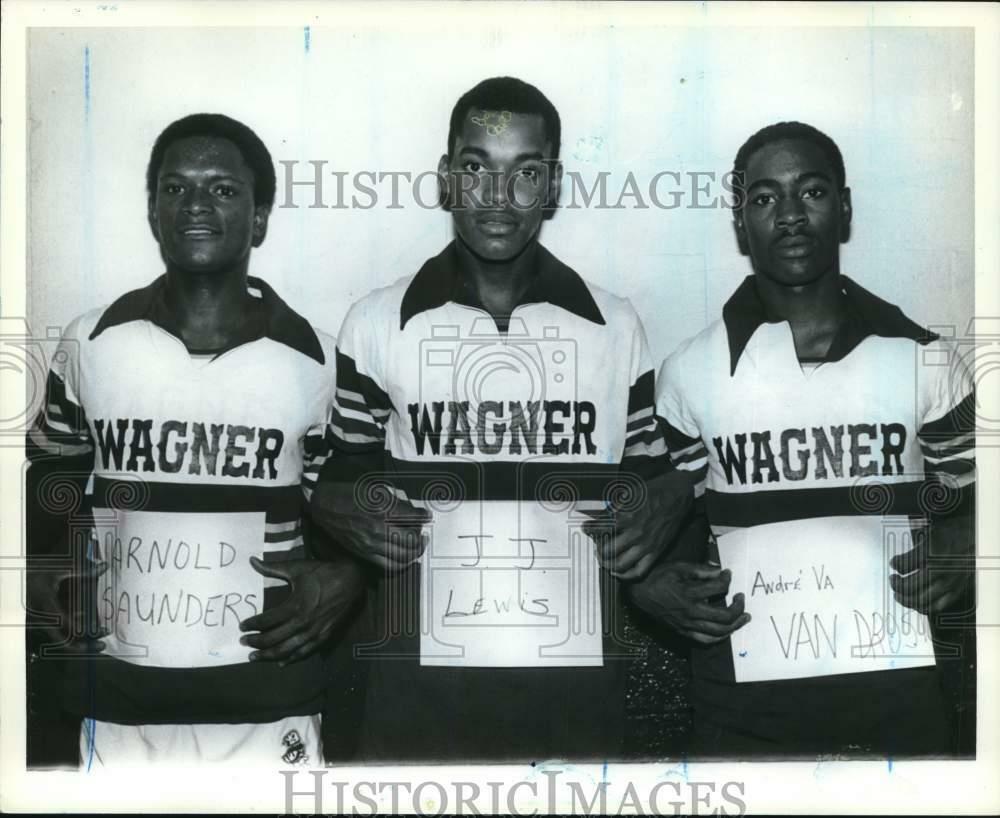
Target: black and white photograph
{"x": 499, "y": 407}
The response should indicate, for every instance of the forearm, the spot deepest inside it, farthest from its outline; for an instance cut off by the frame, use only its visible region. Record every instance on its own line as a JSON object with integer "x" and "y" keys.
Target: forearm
{"x": 690, "y": 546}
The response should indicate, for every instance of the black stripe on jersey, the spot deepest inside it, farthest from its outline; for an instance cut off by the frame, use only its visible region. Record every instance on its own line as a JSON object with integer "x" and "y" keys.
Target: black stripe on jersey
{"x": 69, "y": 412}
{"x": 676, "y": 439}
{"x": 349, "y": 378}
{"x": 698, "y": 454}
{"x": 648, "y": 434}
{"x": 968, "y": 443}
{"x": 640, "y": 423}
{"x": 530, "y": 481}
{"x": 109, "y": 689}
{"x": 283, "y": 536}
{"x": 350, "y": 425}
{"x": 642, "y": 394}
{"x": 958, "y": 466}
{"x": 960, "y": 420}
{"x": 761, "y": 507}
{"x": 282, "y": 503}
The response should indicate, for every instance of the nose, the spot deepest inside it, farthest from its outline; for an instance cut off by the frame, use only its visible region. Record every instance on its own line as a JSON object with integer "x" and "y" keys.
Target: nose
{"x": 791, "y": 213}
{"x": 498, "y": 188}
{"x": 197, "y": 201}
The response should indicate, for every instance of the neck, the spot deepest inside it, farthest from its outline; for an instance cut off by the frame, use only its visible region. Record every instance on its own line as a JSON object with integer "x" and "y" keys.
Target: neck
{"x": 499, "y": 284}
{"x": 816, "y": 302}
{"x": 814, "y": 312}
{"x": 209, "y": 308}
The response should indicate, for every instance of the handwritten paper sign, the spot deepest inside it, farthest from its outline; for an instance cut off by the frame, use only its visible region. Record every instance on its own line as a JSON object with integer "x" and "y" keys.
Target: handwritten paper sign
{"x": 178, "y": 585}
{"x": 819, "y": 596}
{"x": 506, "y": 584}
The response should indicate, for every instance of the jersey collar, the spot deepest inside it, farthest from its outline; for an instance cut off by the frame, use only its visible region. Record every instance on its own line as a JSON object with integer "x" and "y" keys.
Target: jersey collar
{"x": 275, "y": 320}
{"x": 439, "y": 282}
{"x": 868, "y": 315}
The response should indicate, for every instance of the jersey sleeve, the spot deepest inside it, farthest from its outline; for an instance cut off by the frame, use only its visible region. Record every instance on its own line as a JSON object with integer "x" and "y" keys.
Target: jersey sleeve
{"x": 645, "y": 449}
{"x": 355, "y": 428}
{"x": 680, "y": 431}
{"x": 947, "y": 417}
{"x": 60, "y": 453}
{"x": 60, "y": 429}
{"x": 317, "y": 445}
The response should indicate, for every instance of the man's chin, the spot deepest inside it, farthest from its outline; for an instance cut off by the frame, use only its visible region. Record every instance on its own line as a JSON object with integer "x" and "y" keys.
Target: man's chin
{"x": 202, "y": 267}
{"x": 794, "y": 275}
{"x": 496, "y": 251}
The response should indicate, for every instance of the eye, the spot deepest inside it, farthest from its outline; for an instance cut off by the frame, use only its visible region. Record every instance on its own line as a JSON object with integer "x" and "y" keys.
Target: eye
{"x": 472, "y": 166}
{"x": 225, "y": 191}
{"x": 763, "y": 199}
{"x": 814, "y": 193}
{"x": 172, "y": 188}
{"x": 529, "y": 173}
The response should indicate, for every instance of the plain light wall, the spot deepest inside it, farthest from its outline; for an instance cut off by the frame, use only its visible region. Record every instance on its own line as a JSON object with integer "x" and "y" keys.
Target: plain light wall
{"x": 639, "y": 100}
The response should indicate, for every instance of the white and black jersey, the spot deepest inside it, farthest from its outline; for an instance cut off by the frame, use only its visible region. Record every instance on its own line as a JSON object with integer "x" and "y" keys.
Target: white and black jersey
{"x": 195, "y": 464}
{"x": 885, "y": 416}
{"x": 559, "y": 407}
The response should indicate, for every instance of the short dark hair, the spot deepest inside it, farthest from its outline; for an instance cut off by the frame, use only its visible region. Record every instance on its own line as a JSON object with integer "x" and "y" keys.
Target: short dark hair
{"x": 782, "y": 131}
{"x": 506, "y": 94}
{"x": 253, "y": 150}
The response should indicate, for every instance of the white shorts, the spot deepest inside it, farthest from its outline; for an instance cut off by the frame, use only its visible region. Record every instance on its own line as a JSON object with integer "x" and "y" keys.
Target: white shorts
{"x": 291, "y": 741}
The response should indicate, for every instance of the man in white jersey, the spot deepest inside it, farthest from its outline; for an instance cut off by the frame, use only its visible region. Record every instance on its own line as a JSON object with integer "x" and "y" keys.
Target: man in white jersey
{"x": 812, "y": 400}
{"x": 192, "y": 411}
{"x": 501, "y": 398}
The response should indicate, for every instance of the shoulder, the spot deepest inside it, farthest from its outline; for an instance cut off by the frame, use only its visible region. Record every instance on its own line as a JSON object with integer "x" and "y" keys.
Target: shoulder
{"x": 84, "y": 327}
{"x": 702, "y": 347}
{"x": 703, "y": 355}
{"x": 327, "y": 343}
{"x": 618, "y": 311}
{"x": 381, "y": 305}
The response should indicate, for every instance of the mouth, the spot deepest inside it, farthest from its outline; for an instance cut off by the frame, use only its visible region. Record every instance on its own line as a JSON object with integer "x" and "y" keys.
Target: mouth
{"x": 198, "y": 231}
{"x": 794, "y": 246}
{"x": 497, "y": 224}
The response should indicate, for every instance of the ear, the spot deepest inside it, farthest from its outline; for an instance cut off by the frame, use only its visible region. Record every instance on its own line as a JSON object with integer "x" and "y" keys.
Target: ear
{"x": 260, "y": 216}
{"x": 555, "y": 186}
{"x": 444, "y": 183}
{"x": 151, "y": 217}
{"x": 846, "y": 212}
{"x": 739, "y": 228}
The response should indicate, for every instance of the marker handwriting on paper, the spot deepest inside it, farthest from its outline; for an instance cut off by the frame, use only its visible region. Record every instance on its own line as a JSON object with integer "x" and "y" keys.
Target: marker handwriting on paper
{"x": 782, "y": 585}
{"x": 502, "y": 562}
{"x": 496, "y": 605}
{"x": 819, "y": 593}
{"x": 510, "y": 584}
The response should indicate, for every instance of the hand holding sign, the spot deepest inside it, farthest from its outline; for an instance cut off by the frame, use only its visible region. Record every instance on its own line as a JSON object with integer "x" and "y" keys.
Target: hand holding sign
{"x": 926, "y": 590}
{"x": 322, "y": 593}
{"x": 677, "y": 594}
{"x": 75, "y": 629}
{"x": 391, "y": 539}
{"x": 630, "y": 541}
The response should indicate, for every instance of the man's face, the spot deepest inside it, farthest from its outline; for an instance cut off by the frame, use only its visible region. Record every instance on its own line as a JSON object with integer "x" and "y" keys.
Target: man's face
{"x": 794, "y": 217}
{"x": 499, "y": 181}
{"x": 203, "y": 212}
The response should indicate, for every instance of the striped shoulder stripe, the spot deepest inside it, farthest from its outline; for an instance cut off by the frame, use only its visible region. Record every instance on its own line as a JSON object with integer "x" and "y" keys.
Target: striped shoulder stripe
{"x": 641, "y": 395}
{"x": 356, "y": 385}
{"x": 959, "y": 420}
